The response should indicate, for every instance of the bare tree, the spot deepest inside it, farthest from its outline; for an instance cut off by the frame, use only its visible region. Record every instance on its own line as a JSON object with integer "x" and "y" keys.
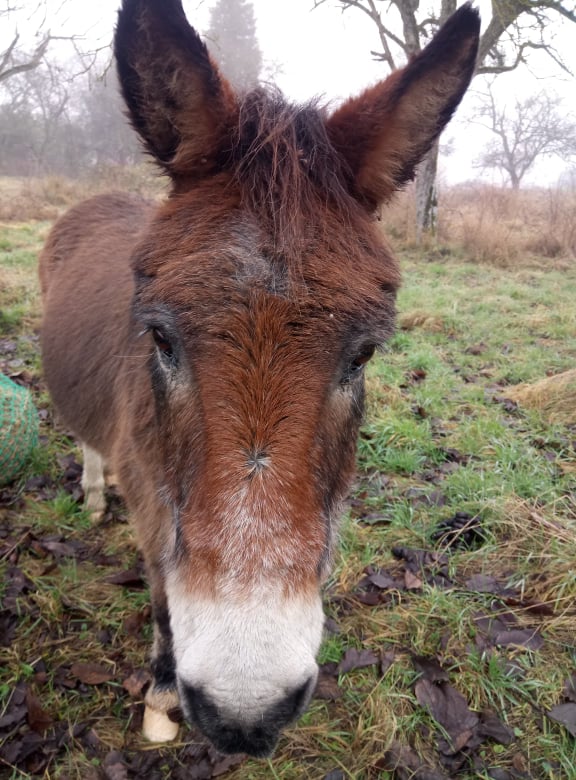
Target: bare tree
{"x": 515, "y": 28}
{"x": 18, "y": 58}
{"x": 524, "y": 132}
{"x": 232, "y": 40}
{"x": 13, "y": 59}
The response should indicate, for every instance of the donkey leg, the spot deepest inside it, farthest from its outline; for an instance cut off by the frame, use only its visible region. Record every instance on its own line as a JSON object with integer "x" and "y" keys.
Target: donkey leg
{"x": 93, "y": 482}
{"x": 162, "y": 694}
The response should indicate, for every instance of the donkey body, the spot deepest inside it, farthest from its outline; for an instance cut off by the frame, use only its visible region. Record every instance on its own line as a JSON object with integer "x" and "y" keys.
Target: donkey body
{"x": 210, "y": 352}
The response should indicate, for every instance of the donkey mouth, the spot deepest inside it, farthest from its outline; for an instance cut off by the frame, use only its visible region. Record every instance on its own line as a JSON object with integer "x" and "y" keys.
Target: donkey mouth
{"x": 233, "y": 736}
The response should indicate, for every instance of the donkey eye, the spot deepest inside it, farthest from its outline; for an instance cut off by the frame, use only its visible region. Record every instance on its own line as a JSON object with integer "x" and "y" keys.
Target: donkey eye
{"x": 162, "y": 343}
{"x": 357, "y": 364}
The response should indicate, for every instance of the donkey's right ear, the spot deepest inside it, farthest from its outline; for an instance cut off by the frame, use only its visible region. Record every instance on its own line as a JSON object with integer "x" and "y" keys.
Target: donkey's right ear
{"x": 177, "y": 100}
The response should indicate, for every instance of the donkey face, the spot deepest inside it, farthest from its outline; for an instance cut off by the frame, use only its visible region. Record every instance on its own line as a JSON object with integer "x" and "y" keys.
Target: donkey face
{"x": 263, "y": 287}
{"x": 257, "y": 373}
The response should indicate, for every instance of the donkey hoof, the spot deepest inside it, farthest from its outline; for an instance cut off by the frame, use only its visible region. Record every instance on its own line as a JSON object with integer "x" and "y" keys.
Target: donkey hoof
{"x": 95, "y": 504}
{"x": 157, "y": 726}
{"x": 111, "y": 479}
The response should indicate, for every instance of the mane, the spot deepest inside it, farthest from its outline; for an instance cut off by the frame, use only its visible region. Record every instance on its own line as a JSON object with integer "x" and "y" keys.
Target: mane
{"x": 286, "y": 166}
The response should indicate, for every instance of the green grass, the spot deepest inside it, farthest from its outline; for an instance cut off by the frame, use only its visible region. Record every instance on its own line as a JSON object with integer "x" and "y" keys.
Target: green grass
{"x": 434, "y": 428}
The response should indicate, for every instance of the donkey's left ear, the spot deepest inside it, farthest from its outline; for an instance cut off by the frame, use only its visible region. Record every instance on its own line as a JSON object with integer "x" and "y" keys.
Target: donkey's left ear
{"x": 177, "y": 101}
{"x": 384, "y": 133}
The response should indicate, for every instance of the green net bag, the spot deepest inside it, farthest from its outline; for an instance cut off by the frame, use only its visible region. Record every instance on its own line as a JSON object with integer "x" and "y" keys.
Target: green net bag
{"x": 18, "y": 428}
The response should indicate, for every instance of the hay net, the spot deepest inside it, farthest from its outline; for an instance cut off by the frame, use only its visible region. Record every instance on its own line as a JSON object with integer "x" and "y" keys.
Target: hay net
{"x": 18, "y": 428}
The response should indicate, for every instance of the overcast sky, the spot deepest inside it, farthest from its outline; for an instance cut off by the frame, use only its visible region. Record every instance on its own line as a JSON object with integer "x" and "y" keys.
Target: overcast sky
{"x": 327, "y": 52}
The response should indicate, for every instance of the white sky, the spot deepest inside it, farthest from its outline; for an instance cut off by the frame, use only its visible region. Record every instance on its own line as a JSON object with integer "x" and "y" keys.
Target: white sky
{"x": 327, "y": 52}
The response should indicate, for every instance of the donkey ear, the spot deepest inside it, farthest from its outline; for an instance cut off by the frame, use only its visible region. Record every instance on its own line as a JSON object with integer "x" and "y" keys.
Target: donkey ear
{"x": 176, "y": 98}
{"x": 384, "y": 133}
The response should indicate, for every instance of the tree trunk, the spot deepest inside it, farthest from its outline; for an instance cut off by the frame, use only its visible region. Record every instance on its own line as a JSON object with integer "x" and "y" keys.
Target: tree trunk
{"x": 427, "y": 196}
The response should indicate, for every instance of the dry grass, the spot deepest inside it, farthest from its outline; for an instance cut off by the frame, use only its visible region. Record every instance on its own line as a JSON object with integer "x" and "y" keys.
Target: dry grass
{"x": 432, "y": 415}
{"x": 553, "y": 397}
{"x": 484, "y": 223}
{"x": 496, "y": 225}
{"x": 24, "y": 199}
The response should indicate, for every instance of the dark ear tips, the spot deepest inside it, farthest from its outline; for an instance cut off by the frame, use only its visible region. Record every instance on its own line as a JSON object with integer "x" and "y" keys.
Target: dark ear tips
{"x": 466, "y": 19}
{"x": 386, "y": 131}
{"x": 173, "y": 92}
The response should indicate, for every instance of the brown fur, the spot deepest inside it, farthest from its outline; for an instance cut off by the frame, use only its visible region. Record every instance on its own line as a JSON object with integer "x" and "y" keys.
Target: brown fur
{"x": 267, "y": 277}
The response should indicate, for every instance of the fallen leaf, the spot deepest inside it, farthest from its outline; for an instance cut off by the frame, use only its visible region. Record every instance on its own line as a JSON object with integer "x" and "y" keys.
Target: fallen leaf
{"x": 483, "y": 583}
{"x": 91, "y": 674}
{"x": 59, "y": 549}
{"x": 387, "y": 658}
{"x": 38, "y": 719}
{"x": 570, "y": 687}
{"x": 134, "y": 622}
{"x": 136, "y": 681}
{"x": 327, "y": 688}
{"x": 226, "y": 763}
{"x": 566, "y": 715}
{"x": 375, "y": 518}
{"x": 430, "y": 669}
{"x": 520, "y": 637}
{"x": 411, "y": 581}
{"x": 462, "y": 530}
{"x": 449, "y": 708}
{"x": 491, "y": 727}
{"x": 130, "y": 578}
{"x": 406, "y": 764}
{"x": 13, "y": 715}
{"x": 357, "y": 659}
{"x": 114, "y": 767}
{"x": 369, "y": 599}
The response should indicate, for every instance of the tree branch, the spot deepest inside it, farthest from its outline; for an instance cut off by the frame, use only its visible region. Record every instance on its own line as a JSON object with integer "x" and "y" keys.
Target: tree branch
{"x": 34, "y": 60}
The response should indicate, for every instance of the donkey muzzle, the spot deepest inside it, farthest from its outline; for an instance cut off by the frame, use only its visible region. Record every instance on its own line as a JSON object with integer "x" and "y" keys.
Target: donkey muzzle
{"x": 230, "y": 734}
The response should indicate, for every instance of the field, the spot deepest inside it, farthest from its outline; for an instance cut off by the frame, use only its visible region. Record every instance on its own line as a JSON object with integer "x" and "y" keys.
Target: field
{"x": 450, "y": 649}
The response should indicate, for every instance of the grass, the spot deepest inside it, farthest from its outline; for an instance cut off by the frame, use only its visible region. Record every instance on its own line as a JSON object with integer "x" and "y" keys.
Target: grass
{"x": 437, "y": 440}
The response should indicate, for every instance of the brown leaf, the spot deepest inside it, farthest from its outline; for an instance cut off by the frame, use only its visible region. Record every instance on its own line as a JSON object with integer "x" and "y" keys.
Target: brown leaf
{"x": 327, "y": 688}
{"x": 61, "y": 549}
{"x": 375, "y": 518}
{"x": 520, "y": 637}
{"x": 483, "y": 583}
{"x": 570, "y": 687}
{"x": 357, "y": 659}
{"x": 134, "y": 622}
{"x": 411, "y": 581}
{"x": 130, "y": 578}
{"x": 38, "y": 719}
{"x": 13, "y": 715}
{"x": 566, "y": 715}
{"x": 450, "y": 709}
{"x": 91, "y": 674}
{"x": 382, "y": 580}
{"x": 475, "y": 349}
{"x": 114, "y": 767}
{"x": 370, "y": 599}
{"x": 406, "y": 764}
{"x": 135, "y": 682}
{"x": 387, "y": 658}
{"x": 491, "y": 727}
{"x": 430, "y": 669}
{"x": 226, "y": 763}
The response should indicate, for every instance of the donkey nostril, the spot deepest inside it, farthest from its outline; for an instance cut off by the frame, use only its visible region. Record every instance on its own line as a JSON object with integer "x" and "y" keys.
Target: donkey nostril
{"x": 233, "y": 735}
{"x": 290, "y": 707}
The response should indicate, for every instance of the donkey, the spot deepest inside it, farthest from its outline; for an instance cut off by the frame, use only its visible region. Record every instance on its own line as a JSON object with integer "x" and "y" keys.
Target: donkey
{"x": 210, "y": 352}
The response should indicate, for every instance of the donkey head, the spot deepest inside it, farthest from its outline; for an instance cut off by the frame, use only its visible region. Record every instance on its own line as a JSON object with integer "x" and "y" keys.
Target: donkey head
{"x": 263, "y": 286}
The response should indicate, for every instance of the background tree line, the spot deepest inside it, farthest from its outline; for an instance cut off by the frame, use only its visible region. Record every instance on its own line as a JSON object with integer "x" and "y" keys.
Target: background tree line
{"x": 68, "y": 118}
{"x": 52, "y": 121}
{"x": 63, "y": 115}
